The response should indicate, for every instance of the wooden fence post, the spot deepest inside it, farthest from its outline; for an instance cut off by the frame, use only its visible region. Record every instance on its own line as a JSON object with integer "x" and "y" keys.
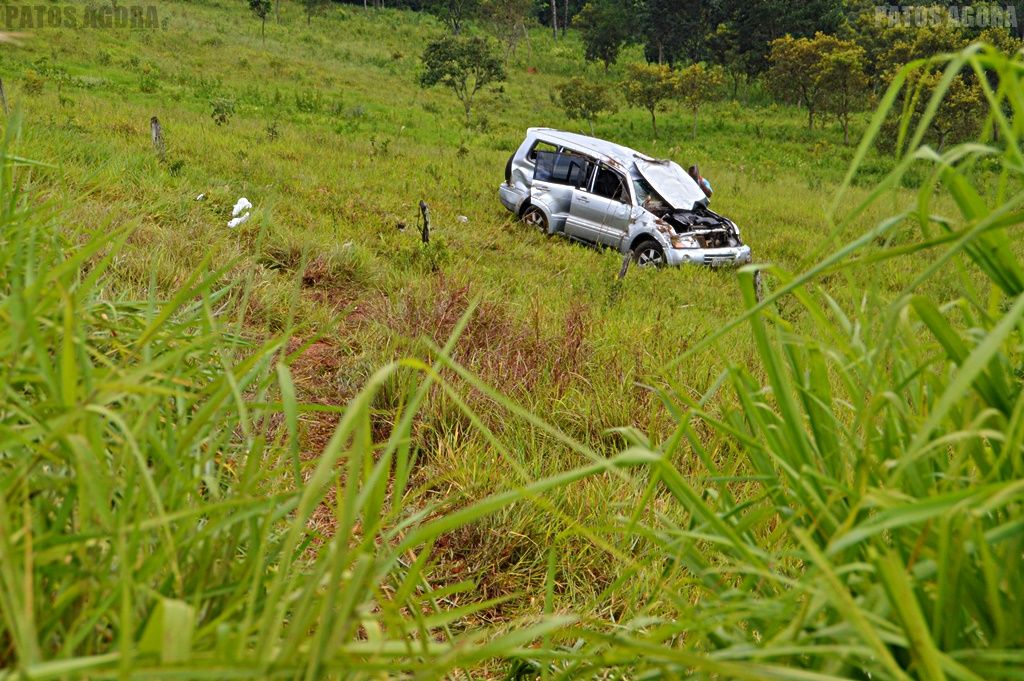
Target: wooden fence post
{"x": 625, "y": 265}
{"x": 425, "y": 231}
{"x": 158, "y": 138}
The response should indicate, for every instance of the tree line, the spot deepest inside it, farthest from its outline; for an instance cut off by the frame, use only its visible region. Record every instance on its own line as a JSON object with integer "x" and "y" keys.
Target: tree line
{"x": 832, "y": 58}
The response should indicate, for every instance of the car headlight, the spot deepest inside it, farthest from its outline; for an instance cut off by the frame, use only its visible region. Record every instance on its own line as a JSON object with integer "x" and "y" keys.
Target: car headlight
{"x": 682, "y": 241}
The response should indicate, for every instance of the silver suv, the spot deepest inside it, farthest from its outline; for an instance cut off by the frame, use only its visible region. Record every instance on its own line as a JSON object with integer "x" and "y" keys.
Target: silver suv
{"x": 602, "y": 193}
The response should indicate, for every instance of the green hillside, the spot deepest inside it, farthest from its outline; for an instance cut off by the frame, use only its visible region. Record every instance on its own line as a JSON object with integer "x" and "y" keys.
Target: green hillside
{"x": 312, "y": 446}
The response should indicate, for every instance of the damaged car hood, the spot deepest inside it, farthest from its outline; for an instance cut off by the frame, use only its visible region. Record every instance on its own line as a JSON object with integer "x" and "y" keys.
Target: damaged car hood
{"x": 671, "y": 182}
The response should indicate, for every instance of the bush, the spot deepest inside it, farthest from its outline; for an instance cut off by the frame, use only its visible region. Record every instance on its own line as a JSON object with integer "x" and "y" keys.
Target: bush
{"x": 33, "y": 82}
{"x": 222, "y": 110}
{"x": 148, "y": 79}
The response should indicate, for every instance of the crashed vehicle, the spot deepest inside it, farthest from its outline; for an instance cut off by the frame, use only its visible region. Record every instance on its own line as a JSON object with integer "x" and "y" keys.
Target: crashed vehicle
{"x": 602, "y": 193}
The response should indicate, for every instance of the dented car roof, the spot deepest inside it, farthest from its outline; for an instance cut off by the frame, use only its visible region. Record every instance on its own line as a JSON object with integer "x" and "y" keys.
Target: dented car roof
{"x": 668, "y": 178}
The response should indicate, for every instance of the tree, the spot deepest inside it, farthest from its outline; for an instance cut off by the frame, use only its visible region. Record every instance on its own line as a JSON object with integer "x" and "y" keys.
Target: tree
{"x": 583, "y": 100}
{"x": 465, "y": 65}
{"x": 673, "y": 30}
{"x": 795, "y": 72}
{"x": 844, "y": 84}
{"x": 605, "y": 26}
{"x": 647, "y": 85}
{"x": 724, "y": 49}
{"x": 903, "y": 45}
{"x": 454, "y": 13}
{"x": 261, "y": 8}
{"x": 314, "y": 7}
{"x": 959, "y": 117}
{"x": 697, "y": 84}
{"x": 758, "y": 22}
{"x": 507, "y": 20}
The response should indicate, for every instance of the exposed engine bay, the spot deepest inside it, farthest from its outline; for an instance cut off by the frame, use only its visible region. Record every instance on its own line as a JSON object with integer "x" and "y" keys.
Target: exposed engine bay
{"x": 708, "y": 228}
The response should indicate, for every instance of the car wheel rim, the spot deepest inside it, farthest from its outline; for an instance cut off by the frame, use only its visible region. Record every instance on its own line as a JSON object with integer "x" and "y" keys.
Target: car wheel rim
{"x": 649, "y": 257}
{"x": 534, "y": 218}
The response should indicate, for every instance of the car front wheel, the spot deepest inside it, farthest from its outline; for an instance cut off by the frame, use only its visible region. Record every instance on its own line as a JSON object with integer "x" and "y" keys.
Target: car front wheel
{"x": 649, "y": 254}
{"x": 534, "y": 217}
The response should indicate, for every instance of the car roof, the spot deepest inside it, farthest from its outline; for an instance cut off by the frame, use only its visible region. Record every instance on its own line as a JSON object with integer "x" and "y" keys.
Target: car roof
{"x": 603, "y": 149}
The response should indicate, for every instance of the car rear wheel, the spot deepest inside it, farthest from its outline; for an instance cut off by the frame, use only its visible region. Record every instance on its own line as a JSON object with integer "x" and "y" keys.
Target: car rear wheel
{"x": 534, "y": 217}
{"x": 649, "y": 254}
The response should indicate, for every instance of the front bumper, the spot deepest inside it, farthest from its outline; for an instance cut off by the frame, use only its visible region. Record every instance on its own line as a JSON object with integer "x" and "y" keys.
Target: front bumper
{"x": 712, "y": 257}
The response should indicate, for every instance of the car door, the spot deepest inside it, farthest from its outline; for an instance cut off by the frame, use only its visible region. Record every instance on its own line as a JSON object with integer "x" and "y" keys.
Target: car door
{"x": 610, "y": 205}
{"x": 556, "y": 177}
{"x": 586, "y": 216}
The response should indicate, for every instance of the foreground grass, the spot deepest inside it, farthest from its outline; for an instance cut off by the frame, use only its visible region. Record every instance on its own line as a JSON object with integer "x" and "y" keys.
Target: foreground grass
{"x": 335, "y": 144}
{"x": 261, "y": 556}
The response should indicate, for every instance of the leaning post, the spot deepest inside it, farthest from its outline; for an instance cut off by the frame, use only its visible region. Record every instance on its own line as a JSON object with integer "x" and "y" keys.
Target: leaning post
{"x": 158, "y": 137}
{"x": 425, "y": 231}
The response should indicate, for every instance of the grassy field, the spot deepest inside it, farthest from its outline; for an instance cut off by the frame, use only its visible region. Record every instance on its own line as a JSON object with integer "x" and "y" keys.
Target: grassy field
{"x": 333, "y": 141}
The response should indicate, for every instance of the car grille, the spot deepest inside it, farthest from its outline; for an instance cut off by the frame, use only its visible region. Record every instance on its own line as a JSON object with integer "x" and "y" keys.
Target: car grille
{"x": 717, "y": 260}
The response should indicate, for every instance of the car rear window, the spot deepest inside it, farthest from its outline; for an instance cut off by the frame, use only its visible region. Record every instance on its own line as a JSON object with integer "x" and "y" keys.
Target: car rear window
{"x": 564, "y": 168}
{"x": 540, "y": 145}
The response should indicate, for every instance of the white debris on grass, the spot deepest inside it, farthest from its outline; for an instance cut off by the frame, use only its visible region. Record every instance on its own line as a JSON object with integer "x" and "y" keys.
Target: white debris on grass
{"x": 463, "y": 218}
{"x": 241, "y": 220}
{"x": 200, "y": 197}
{"x": 240, "y": 213}
{"x": 240, "y": 205}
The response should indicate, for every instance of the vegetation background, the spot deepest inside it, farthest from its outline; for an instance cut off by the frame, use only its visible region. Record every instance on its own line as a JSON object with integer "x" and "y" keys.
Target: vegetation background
{"x": 313, "y": 447}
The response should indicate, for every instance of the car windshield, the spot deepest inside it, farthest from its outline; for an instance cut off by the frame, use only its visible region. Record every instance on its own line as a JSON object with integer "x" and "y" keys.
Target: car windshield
{"x": 646, "y": 196}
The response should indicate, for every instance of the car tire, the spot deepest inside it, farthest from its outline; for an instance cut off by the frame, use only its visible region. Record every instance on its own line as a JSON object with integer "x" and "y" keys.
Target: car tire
{"x": 649, "y": 253}
{"x": 534, "y": 217}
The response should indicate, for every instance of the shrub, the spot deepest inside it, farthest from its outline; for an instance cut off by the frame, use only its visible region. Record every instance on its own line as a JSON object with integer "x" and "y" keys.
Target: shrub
{"x": 221, "y": 110}
{"x": 33, "y": 82}
{"x": 583, "y": 99}
{"x": 309, "y": 101}
{"x": 148, "y": 79}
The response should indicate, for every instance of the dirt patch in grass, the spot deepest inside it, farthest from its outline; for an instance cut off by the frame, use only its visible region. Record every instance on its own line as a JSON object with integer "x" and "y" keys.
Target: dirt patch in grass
{"x": 505, "y": 351}
{"x": 498, "y": 561}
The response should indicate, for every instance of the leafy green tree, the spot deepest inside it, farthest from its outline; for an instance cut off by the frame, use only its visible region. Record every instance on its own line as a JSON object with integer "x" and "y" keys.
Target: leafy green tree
{"x": 844, "y": 84}
{"x": 724, "y": 49}
{"x": 758, "y": 22}
{"x": 697, "y": 84}
{"x": 673, "y": 30}
{"x": 795, "y": 73}
{"x": 313, "y": 8}
{"x": 958, "y": 118}
{"x": 261, "y": 8}
{"x": 605, "y": 26}
{"x": 507, "y": 20}
{"x": 960, "y": 114}
{"x": 583, "y": 100}
{"x": 903, "y": 45}
{"x": 876, "y": 38}
{"x": 465, "y": 65}
{"x": 647, "y": 86}
{"x": 454, "y": 13}
{"x": 1002, "y": 39}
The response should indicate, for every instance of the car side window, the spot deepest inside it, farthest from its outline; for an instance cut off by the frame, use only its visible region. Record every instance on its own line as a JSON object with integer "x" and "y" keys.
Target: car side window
{"x": 565, "y": 168}
{"x": 539, "y": 146}
{"x": 610, "y": 185}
